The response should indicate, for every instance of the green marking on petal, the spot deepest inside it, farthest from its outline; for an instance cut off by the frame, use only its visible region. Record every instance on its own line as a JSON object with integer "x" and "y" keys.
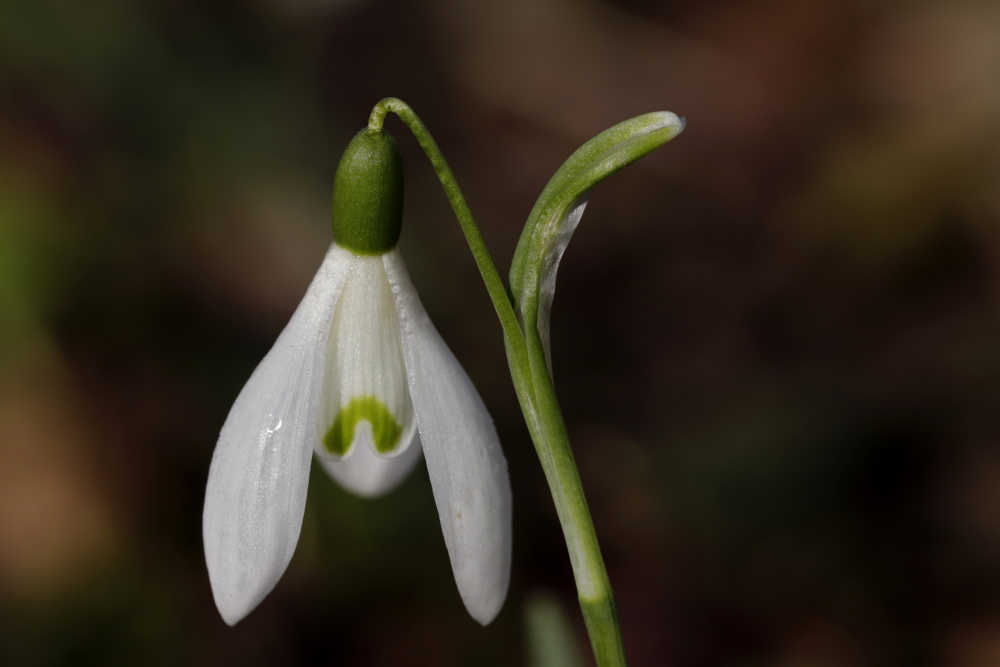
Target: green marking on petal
{"x": 385, "y": 429}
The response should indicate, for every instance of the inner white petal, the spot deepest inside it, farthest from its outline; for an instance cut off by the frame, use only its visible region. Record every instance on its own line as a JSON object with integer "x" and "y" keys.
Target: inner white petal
{"x": 366, "y": 400}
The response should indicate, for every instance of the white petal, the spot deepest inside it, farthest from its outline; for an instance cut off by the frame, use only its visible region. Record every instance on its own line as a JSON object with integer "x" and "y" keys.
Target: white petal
{"x": 368, "y": 475}
{"x": 260, "y": 470}
{"x": 466, "y": 465}
{"x": 366, "y": 401}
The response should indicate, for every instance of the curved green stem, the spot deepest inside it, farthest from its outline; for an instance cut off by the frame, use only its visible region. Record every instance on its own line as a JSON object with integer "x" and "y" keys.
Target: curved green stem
{"x": 494, "y": 284}
{"x": 537, "y": 397}
{"x": 592, "y": 583}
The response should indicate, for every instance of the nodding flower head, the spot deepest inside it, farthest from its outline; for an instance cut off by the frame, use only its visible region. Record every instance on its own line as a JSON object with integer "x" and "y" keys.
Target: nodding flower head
{"x": 361, "y": 379}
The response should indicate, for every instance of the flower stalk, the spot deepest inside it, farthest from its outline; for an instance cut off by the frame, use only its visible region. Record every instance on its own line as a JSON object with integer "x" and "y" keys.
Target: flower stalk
{"x": 357, "y": 373}
{"x": 524, "y": 313}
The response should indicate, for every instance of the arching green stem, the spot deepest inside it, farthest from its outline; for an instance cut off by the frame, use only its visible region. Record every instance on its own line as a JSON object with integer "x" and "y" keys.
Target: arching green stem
{"x": 527, "y": 357}
{"x": 484, "y": 261}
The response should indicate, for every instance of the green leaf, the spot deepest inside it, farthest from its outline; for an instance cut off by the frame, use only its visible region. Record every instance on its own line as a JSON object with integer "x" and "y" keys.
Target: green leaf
{"x": 560, "y": 207}
{"x": 551, "y": 642}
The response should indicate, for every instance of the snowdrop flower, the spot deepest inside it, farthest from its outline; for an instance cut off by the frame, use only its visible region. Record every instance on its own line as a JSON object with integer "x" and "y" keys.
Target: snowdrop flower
{"x": 360, "y": 378}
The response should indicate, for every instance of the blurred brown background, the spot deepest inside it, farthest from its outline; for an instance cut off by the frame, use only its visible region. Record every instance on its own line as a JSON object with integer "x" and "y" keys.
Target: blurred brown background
{"x": 777, "y": 339}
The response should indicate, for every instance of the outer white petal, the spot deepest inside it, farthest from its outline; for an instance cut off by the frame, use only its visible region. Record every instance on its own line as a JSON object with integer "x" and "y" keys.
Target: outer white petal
{"x": 466, "y": 465}
{"x": 260, "y": 470}
{"x": 366, "y": 474}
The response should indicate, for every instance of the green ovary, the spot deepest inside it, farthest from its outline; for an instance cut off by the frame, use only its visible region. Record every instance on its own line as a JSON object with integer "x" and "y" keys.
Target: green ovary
{"x": 385, "y": 429}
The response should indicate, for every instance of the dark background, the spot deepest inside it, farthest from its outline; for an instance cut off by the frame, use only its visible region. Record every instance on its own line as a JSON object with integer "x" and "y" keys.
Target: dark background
{"x": 776, "y": 339}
